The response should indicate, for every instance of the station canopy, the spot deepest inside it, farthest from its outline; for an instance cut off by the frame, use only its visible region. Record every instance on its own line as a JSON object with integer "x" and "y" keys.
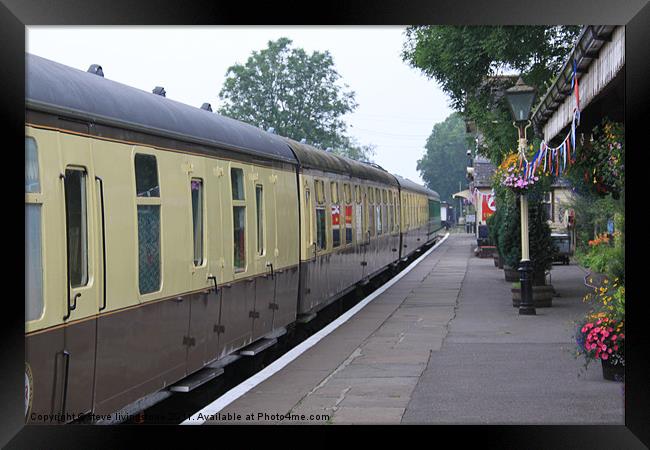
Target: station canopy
{"x": 463, "y": 194}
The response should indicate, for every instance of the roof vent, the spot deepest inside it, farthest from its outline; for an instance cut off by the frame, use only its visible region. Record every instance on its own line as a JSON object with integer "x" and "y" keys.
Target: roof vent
{"x": 303, "y": 141}
{"x": 328, "y": 149}
{"x": 271, "y": 130}
{"x": 159, "y": 90}
{"x": 96, "y": 69}
{"x": 207, "y": 107}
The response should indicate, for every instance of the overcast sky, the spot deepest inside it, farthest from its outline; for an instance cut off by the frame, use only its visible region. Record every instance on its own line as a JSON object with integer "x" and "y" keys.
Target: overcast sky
{"x": 397, "y": 105}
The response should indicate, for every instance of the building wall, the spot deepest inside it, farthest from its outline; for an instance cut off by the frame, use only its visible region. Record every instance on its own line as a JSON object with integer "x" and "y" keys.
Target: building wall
{"x": 610, "y": 60}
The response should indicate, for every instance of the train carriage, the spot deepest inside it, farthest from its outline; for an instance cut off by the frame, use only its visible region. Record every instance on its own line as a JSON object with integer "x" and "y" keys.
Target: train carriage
{"x": 154, "y": 242}
{"x": 420, "y": 217}
{"x": 161, "y": 239}
{"x": 349, "y": 225}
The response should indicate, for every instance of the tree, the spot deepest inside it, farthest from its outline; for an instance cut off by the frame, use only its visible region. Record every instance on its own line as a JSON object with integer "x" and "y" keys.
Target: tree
{"x": 468, "y": 60}
{"x": 443, "y": 165}
{"x": 294, "y": 93}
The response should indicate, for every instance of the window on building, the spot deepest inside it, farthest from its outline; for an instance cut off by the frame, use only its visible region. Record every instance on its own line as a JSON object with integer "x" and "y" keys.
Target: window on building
{"x": 357, "y": 190}
{"x": 76, "y": 226}
{"x": 196, "y": 186}
{"x": 347, "y": 193}
{"x": 148, "y": 209}
{"x": 259, "y": 204}
{"x": 547, "y": 206}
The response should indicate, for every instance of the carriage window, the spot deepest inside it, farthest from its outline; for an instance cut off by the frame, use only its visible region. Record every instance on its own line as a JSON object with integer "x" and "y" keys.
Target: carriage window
{"x": 320, "y": 191}
{"x": 371, "y": 214}
{"x": 357, "y": 192}
{"x": 371, "y": 195}
{"x": 336, "y": 225}
{"x": 146, "y": 176}
{"x": 148, "y": 248}
{"x": 239, "y": 226}
{"x": 32, "y": 180}
{"x": 237, "y": 181}
{"x": 146, "y": 185}
{"x": 347, "y": 193}
{"x": 348, "y": 224}
{"x": 378, "y": 208}
{"x": 320, "y": 228}
{"x": 310, "y": 232}
{"x": 33, "y": 262}
{"x": 259, "y": 204}
{"x": 76, "y": 226}
{"x": 196, "y": 187}
{"x": 384, "y": 196}
{"x": 334, "y": 191}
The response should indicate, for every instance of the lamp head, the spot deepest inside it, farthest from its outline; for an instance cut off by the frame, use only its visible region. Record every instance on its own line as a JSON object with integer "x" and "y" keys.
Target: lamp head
{"x": 520, "y": 100}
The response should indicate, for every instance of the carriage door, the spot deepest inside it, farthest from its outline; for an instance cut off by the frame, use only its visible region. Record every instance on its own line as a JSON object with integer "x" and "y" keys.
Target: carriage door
{"x": 265, "y": 244}
{"x": 80, "y": 199}
{"x": 365, "y": 239}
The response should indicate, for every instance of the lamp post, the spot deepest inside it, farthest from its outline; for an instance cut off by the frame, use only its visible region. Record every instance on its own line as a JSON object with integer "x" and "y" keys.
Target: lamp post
{"x": 520, "y": 100}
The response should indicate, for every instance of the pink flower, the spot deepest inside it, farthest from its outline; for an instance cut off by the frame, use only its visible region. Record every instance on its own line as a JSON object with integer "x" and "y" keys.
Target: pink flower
{"x": 613, "y": 337}
{"x": 605, "y": 356}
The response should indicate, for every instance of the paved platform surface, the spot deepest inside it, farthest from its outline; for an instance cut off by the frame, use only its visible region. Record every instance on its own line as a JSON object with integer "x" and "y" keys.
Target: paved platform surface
{"x": 444, "y": 345}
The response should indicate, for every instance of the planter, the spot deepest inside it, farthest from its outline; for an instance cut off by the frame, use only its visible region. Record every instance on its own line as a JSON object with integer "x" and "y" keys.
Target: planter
{"x": 613, "y": 372}
{"x": 511, "y": 274}
{"x": 539, "y": 278}
{"x": 500, "y": 266}
{"x": 542, "y": 296}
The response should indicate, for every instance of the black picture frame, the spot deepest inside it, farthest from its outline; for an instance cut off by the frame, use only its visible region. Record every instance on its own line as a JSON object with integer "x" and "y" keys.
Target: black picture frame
{"x": 635, "y": 14}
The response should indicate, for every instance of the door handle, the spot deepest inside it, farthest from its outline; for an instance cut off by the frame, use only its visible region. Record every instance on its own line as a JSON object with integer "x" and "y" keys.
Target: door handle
{"x": 73, "y": 306}
{"x": 268, "y": 264}
{"x": 214, "y": 280}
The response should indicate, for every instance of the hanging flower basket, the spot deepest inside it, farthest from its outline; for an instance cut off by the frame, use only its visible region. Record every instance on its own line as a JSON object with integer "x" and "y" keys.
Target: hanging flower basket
{"x": 517, "y": 174}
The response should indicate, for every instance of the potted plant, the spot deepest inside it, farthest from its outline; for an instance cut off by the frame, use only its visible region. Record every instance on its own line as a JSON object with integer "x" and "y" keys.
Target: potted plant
{"x": 513, "y": 183}
{"x": 601, "y": 334}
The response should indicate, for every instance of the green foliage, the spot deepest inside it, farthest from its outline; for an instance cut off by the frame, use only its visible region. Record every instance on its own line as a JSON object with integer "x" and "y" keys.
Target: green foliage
{"x": 295, "y": 93}
{"x": 469, "y": 61}
{"x": 508, "y": 231}
{"x": 600, "y": 164}
{"x": 444, "y": 162}
{"x": 592, "y": 213}
{"x": 509, "y": 240}
{"x": 605, "y": 257}
{"x": 353, "y": 150}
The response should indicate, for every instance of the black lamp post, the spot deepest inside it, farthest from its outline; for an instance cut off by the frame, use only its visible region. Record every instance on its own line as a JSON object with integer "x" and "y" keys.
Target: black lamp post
{"x": 520, "y": 99}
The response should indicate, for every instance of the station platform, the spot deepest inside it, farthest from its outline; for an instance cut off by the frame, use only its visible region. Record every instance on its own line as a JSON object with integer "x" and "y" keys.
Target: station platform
{"x": 443, "y": 345}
